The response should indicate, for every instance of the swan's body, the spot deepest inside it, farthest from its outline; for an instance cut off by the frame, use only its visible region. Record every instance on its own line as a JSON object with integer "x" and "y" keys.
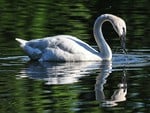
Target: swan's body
{"x": 69, "y": 48}
{"x": 60, "y": 48}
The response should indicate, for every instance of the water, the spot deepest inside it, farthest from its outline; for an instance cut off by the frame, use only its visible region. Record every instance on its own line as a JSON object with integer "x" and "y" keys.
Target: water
{"x": 84, "y": 87}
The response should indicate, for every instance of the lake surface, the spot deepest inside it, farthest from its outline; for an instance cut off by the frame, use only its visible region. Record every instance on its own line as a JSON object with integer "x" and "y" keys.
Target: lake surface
{"x": 74, "y": 87}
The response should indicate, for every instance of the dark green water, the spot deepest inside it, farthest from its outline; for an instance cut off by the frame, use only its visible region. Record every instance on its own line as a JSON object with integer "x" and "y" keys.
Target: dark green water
{"x": 92, "y": 87}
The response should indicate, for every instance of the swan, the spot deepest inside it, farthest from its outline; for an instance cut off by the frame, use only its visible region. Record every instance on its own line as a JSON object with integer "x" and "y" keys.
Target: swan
{"x": 69, "y": 48}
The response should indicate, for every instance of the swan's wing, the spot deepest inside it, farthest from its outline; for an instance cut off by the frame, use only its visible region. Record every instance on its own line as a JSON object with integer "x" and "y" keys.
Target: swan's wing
{"x": 64, "y": 42}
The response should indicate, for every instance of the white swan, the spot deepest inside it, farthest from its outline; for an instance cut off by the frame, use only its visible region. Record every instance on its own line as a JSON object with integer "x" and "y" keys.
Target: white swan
{"x": 69, "y": 48}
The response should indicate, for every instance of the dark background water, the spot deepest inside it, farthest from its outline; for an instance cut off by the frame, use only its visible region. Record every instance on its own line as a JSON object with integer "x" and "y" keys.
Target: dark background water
{"x": 70, "y": 87}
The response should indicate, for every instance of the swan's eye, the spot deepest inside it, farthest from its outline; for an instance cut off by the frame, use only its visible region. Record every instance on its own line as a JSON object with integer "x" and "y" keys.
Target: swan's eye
{"x": 123, "y": 30}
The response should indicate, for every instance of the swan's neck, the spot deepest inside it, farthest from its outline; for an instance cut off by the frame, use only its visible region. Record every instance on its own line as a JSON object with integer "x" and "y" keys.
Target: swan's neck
{"x": 105, "y": 50}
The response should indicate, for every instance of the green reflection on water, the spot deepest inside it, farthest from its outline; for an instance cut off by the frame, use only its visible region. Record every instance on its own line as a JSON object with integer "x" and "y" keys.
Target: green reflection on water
{"x": 37, "y": 19}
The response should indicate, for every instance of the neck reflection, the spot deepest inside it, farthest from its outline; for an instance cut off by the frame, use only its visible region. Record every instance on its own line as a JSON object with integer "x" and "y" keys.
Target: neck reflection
{"x": 119, "y": 94}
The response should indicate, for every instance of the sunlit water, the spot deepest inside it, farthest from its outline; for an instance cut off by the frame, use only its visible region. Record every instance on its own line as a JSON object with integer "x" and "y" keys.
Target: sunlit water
{"x": 121, "y": 85}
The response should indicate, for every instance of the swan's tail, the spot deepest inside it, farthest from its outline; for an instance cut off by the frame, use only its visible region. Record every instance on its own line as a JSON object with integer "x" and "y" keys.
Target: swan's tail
{"x": 33, "y": 53}
{"x": 21, "y": 41}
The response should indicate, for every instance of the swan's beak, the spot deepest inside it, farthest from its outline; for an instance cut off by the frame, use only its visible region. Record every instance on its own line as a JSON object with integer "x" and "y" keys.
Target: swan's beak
{"x": 123, "y": 43}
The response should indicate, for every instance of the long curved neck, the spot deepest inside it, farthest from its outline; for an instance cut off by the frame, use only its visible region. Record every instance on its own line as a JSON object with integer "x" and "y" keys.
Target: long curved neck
{"x": 105, "y": 53}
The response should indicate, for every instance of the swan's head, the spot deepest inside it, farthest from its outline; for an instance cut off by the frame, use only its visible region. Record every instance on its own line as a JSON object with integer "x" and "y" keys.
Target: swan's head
{"x": 120, "y": 27}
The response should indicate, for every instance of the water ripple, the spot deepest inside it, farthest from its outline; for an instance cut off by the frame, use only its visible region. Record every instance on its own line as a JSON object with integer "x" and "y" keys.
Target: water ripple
{"x": 130, "y": 60}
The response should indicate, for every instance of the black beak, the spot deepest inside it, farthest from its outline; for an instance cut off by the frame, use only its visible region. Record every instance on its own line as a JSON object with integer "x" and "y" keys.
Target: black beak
{"x": 123, "y": 43}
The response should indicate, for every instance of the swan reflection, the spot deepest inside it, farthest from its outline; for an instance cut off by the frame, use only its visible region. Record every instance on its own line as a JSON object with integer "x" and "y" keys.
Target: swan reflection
{"x": 58, "y": 73}
{"x": 70, "y": 72}
{"x": 119, "y": 94}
